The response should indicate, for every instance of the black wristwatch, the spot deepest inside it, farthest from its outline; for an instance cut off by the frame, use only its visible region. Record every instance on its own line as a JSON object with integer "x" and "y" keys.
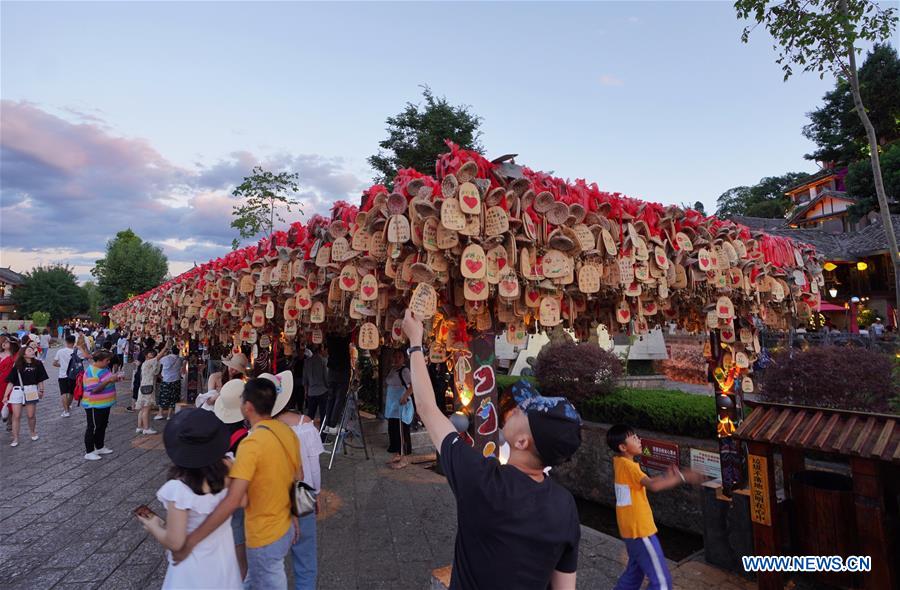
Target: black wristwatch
{"x": 413, "y": 349}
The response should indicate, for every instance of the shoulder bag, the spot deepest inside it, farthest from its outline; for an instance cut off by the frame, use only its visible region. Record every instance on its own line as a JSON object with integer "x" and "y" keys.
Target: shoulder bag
{"x": 303, "y": 498}
{"x": 29, "y": 392}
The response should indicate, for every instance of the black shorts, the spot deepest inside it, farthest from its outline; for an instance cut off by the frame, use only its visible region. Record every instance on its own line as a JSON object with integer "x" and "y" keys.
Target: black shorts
{"x": 120, "y": 360}
{"x": 66, "y": 386}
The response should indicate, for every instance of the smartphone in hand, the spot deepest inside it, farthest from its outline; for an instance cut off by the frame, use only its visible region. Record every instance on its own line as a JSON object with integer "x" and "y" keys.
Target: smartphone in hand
{"x": 144, "y": 511}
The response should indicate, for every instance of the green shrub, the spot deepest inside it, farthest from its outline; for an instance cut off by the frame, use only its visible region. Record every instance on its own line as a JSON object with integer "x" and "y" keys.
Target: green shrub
{"x": 663, "y": 410}
{"x": 576, "y": 371}
{"x": 40, "y": 318}
{"x": 849, "y": 378}
{"x": 504, "y": 381}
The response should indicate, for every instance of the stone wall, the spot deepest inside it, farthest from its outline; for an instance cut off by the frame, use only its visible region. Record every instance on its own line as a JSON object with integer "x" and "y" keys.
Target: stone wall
{"x": 589, "y": 475}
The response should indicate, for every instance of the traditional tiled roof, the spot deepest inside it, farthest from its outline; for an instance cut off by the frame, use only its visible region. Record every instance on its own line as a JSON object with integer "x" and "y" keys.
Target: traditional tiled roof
{"x": 824, "y": 173}
{"x": 10, "y": 277}
{"x": 847, "y": 246}
{"x": 799, "y": 212}
{"x": 862, "y": 434}
{"x": 763, "y": 223}
{"x": 872, "y": 239}
{"x": 830, "y": 245}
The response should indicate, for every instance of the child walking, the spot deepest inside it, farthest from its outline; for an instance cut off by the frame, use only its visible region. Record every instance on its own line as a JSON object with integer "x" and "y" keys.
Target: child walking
{"x": 196, "y": 442}
{"x": 149, "y": 371}
{"x": 633, "y": 513}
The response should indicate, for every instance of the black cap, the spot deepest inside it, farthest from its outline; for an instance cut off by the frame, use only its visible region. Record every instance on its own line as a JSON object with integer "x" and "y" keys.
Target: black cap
{"x": 554, "y": 422}
{"x": 195, "y": 438}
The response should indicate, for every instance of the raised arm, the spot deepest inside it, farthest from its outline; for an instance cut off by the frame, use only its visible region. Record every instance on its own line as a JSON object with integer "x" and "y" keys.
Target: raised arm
{"x": 438, "y": 425}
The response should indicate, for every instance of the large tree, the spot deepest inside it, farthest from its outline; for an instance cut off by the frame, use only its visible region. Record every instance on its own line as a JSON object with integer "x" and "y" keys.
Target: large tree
{"x": 861, "y": 183}
{"x": 262, "y": 194}
{"x": 92, "y": 293}
{"x": 835, "y": 127}
{"x": 821, "y": 36}
{"x": 52, "y": 289}
{"x": 416, "y": 136}
{"x": 764, "y": 199}
{"x": 130, "y": 267}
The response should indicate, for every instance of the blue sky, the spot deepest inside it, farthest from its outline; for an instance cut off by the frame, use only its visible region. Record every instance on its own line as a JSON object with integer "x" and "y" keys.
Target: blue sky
{"x": 145, "y": 114}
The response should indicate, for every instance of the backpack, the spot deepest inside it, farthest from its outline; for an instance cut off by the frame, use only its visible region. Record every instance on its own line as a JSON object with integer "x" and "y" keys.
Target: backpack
{"x": 75, "y": 367}
{"x": 78, "y": 392}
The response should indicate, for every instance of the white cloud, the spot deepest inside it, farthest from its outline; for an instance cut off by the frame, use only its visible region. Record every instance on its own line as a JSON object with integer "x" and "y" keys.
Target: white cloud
{"x": 80, "y": 183}
{"x": 609, "y": 80}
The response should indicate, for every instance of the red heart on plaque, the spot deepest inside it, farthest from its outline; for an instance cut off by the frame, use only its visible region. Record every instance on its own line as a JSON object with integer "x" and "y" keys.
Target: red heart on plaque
{"x": 533, "y": 295}
{"x": 501, "y": 262}
{"x": 349, "y": 282}
{"x": 470, "y": 202}
{"x": 476, "y": 286}
{"x": 292, "y": 312}
{"x": 368, "y": 290}
{"x": 303, "y": 302}
{"x": 624, "y": 315}
{"x": 473, "y": 265}
{"x": 723, "y": 310}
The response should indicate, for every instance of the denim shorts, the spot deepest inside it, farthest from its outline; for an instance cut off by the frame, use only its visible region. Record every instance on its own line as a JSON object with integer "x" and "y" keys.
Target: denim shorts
{"x": 237, "y": 527}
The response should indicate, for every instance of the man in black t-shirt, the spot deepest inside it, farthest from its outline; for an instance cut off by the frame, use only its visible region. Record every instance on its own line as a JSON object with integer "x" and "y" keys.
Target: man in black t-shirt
{"x": 516, "y": 528}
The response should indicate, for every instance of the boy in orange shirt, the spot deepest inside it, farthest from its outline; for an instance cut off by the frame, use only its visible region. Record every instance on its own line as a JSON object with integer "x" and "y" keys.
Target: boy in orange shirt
{"x": 633, "y": 513}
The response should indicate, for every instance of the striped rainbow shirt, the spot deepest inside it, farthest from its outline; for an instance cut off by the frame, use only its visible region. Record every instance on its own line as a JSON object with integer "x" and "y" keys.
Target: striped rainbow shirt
{"x": 94, "y": 396}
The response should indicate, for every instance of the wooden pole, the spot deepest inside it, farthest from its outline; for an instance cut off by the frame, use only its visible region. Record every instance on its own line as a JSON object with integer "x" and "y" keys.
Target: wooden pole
{"x": 871, "y": 524}
{"x": 763, "y": 511}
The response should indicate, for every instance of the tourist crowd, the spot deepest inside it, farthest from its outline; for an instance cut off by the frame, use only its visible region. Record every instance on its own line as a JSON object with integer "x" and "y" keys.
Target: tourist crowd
{"x": 241, "y": 491}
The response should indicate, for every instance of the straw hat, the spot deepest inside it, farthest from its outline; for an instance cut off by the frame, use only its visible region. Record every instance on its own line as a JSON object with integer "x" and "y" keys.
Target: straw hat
{"x": 228, "y": 405}
{"x": 238, "y": 362}
{"x": 284, "y": 387}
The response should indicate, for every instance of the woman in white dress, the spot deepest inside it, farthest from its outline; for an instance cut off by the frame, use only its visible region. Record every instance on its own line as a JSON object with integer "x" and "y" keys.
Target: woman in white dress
{"x": 303, "y": 552}
{"x": 235, "y": 367}
{"x": 196, "y": 442}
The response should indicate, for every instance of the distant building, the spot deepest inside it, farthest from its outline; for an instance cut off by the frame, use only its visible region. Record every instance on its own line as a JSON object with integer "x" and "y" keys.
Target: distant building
{"x": 8, "y": 280}
{"x": 857, "y": 258}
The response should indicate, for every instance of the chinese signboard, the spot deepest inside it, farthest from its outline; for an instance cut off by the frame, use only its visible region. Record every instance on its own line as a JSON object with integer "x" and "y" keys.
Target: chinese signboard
{"x": 658, "y": 454}
{"x": 760, "y": 510}
{"x": 706, "y": 463}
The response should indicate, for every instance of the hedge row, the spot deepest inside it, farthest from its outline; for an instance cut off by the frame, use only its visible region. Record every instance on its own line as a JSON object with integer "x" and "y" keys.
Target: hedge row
{"x": 662, "y": 410}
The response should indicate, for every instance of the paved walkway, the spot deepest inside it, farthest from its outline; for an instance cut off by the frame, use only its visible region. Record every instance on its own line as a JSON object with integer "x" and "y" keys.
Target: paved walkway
{"x": 67, "y": 523}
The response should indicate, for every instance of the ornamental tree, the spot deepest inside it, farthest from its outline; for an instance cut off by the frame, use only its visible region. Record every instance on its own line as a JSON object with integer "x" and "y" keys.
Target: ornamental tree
{"x": 821, "y": 36}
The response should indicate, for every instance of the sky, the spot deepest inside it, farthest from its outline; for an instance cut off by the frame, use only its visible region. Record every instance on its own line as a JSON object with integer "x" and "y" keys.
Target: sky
{"x": 145, "y": 115}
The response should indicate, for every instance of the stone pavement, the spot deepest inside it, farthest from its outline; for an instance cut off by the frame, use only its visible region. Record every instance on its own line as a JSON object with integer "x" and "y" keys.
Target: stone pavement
{"x": 66, "y": 522}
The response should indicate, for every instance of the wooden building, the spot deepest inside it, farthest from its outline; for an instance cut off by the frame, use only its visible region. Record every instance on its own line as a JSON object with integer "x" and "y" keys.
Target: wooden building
{"x": 9, "y": 279}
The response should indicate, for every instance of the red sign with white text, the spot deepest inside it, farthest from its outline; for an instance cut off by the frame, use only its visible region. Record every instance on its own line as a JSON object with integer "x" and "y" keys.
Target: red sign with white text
{"x": 658, "y": 454}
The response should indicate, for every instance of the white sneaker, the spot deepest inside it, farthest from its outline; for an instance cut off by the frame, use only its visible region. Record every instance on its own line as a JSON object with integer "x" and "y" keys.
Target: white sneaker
{"x": 35, "y": 437}
{"x": 138, "y": 430}
{"x": 149, "y": 431}
{"x": 14, "y": 443}
{"x": 330, "y": 430}
{"x": 64, "y": 415}
{"x": 104, "y": 451}
{"x": 158, "y": 417}
{"x": 92, "y": 456}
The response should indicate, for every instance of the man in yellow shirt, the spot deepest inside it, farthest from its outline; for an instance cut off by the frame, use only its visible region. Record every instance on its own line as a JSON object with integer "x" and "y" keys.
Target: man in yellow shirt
{"x": 268, "y": 460}
{"x": 633, "y": 513}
